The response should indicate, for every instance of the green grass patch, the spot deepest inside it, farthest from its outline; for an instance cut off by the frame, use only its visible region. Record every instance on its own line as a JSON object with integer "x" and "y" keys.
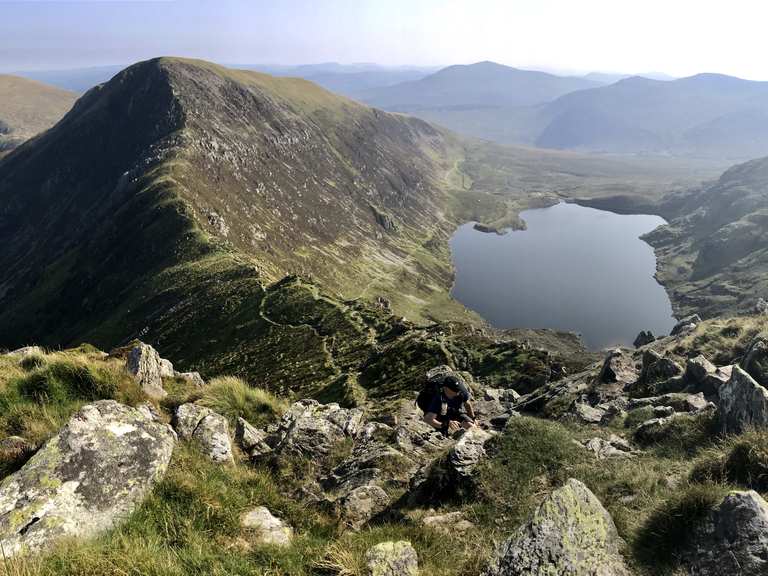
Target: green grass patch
{"x": 234, "y": 398}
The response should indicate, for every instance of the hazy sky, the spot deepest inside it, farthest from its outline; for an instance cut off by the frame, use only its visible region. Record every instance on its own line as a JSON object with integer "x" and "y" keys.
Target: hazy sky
{"x": 679, "y": 37}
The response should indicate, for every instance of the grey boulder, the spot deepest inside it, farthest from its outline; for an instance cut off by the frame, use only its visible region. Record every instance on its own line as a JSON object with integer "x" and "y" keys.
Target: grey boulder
{"x": 145, "y": 364}
{"x": 266, "y": 528}
{"x": 733, "y": 539}
{"x": 84, "y": 480}
{"x": 570, "y": 533}
{"x": 207, "y": 429}
{"x": 743, "y": 403}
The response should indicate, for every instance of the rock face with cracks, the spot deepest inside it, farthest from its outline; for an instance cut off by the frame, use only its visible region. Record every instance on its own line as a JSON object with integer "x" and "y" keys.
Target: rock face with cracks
{"x": 743, "y": 403}
{"x": 92, "y": 474}
{"x": 570, "y": 533}
{"x": 207, "y": 429}
{"x": 733, "y": 540}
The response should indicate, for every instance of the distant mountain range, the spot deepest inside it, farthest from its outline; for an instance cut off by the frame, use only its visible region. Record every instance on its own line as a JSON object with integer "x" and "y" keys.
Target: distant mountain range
{"x": 475, "y": 86}
{"x": 705, "y": 115}
{"x": 27, "y": 108}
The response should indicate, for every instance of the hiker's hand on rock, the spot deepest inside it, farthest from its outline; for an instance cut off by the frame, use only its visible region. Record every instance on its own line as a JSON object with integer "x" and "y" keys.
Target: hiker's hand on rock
{"x": 453, "y": 426}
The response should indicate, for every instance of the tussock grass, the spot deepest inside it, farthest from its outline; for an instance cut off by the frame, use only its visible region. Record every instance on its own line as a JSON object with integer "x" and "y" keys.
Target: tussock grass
{"x": 39, "y": 393}
{"x": 670, "y": 527}
{"x": 233, "y": 398}
{"x": 741, "y": 460}
{"x": 531, "y": 458}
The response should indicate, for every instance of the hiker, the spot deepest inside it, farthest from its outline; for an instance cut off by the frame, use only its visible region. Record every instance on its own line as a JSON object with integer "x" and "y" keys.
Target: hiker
{"x": 452, "y": 392}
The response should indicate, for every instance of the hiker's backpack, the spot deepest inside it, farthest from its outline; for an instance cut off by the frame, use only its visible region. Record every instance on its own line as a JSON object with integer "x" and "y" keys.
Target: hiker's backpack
{"x": 432, "y": 386}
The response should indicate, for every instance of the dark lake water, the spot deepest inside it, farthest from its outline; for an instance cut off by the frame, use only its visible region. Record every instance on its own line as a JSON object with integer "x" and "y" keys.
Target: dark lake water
{"x": 574, "y": 268}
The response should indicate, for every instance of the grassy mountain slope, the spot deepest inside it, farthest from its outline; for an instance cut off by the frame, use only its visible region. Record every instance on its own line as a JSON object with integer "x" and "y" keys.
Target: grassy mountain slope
{"x": 27, "y": 108}
{"x": 705, "y": 115}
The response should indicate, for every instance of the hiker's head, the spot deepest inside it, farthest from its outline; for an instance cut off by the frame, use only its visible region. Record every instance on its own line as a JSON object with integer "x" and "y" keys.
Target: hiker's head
{"x": 451, "y": 386}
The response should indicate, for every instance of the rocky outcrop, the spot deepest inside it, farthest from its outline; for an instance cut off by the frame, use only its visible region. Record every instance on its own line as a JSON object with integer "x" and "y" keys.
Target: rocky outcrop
{"x": 311, "y": 429}
{"x": 685, "y": 325}
{"x": 84, "y": 480}
{"x": 146, "y": 366}
{"x": 569, "y": 533}
{"x": 209, "y": 431}
{"x": 643, "y": 339}
{"x": 26, "y": 351}
{"x": 733, "y": 539}
{"x": 266, "y": 528}
{"x": 588, "y": 414}
{"x": 392, "y": 559}
{"x": 743, "y": 403}
{"x": 618, "y": 367}
{"x": 755, "y": 361}
{"x": 251, "y": 440}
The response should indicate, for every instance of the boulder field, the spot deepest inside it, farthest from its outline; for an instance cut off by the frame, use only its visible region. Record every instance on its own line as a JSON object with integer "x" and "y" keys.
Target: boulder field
{"x": 369, "y": 467}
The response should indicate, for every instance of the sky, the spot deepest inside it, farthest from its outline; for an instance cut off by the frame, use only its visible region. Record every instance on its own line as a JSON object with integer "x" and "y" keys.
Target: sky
{"x": 677, "y": 37}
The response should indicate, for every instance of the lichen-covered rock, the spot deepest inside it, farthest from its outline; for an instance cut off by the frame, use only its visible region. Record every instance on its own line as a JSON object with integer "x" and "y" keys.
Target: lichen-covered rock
{"x": 362, "y": 504}
{"x": 743, "y": 403}
{"x": 144, "y": 363}
{"x": 733, "y": 539}
{"x": 653, "y": 430}
{"x": 392, "y": 559}
{"x": 187, "y": 417}
{"x": 209, "y": 430}
{"x": 755, "y": 361}
{"x": 312, "y": 429}
{"x": 266, "y": 528}
{"x": 87, "y": 478}
{"x": 570, "y": 533}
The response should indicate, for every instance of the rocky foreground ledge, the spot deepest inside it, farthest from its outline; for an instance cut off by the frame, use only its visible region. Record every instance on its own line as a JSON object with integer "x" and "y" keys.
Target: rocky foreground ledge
{"x": 369, "y": 468}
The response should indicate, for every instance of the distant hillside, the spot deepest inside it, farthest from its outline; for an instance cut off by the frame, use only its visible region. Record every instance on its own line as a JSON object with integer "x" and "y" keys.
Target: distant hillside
{"x": 27, "y": 108}
{"x": 713, "y": 255}
{"x": 705, "y": 115}
{"x": 475, "y": 86}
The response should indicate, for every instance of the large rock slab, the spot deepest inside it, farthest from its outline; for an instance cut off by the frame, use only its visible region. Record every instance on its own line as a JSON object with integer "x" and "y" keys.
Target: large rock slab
{"x": 84, "y": 480}
{"x": 570, "y": 533}
{"x": 392, "y": 559}
{"x": 733, "y": 540}
{"x": 743, "y": 403}
{"x": 146, "y": 366}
